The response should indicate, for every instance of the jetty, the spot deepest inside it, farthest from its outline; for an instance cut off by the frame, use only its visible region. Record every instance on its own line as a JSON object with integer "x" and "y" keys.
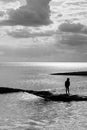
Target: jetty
{"x": 80, "y": 73}
{"x": 46, "y": 95}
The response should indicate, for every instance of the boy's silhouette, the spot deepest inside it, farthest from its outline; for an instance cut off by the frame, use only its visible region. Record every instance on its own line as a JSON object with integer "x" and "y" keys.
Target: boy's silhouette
{"x": 67, "y": 84}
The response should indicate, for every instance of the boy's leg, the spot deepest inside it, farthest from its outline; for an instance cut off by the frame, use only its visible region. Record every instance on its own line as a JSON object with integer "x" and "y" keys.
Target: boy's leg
{"x": 68, "y": 90}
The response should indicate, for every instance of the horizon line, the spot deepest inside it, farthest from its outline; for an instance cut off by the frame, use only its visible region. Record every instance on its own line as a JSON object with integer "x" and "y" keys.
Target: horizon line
{"x": 53, "y": 64}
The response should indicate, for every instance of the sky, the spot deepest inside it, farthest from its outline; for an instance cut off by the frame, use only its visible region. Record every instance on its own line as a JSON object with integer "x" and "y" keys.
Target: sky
{"x": 43, "y": 30}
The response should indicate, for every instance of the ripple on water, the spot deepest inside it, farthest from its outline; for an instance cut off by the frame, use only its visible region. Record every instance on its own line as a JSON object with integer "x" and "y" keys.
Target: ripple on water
{"x": 27, "y": 112}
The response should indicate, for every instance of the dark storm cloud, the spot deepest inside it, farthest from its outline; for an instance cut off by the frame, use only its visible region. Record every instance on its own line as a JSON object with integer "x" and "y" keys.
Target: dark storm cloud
{"x": 73, "y": 27}
{"x": 34, "y": 13}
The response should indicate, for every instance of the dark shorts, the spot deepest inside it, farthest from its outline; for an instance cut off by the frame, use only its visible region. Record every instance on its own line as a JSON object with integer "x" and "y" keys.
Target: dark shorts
{"x": 67, "y": 87}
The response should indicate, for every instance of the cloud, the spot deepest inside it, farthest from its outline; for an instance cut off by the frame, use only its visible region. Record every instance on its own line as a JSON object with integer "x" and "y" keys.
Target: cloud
{"x": 73, "y": 34}
{"x": 8, "y": 1}
{"x": 34, "y": 13}
{"x": 73, "y": 27}
{"x": 20, "y": 33}
{"x": 25, "y": 33}
{"x": 2, "y": 13}
{"x": 74, "y": 40}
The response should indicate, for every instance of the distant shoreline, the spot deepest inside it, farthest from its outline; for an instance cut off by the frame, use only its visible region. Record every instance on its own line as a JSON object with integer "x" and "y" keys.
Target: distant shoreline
{"x": 80, "y": 73}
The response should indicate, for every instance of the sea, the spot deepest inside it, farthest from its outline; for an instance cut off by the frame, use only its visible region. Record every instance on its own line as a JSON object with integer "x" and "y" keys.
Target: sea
{"x": 24, "y": 111}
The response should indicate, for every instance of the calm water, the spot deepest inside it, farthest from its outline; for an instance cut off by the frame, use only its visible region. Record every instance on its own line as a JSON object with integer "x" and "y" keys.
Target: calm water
{"x": 22, "y": 111}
